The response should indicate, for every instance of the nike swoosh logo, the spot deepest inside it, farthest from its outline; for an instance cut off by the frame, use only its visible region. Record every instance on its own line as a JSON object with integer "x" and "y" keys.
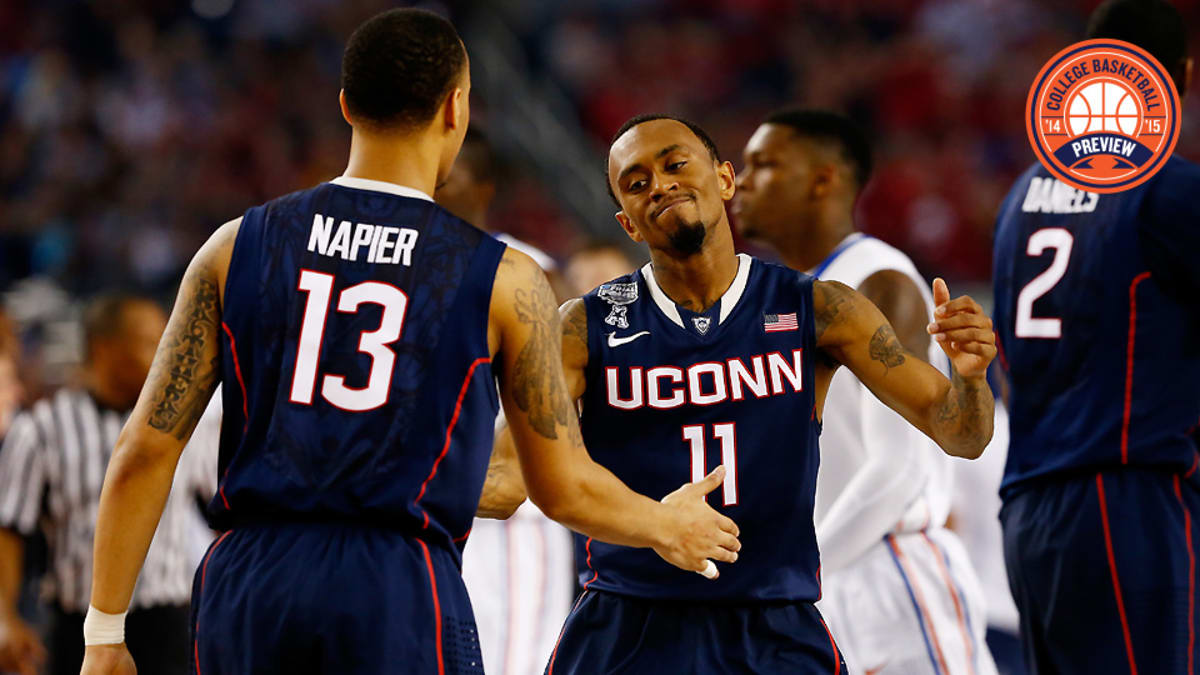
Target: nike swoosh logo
{"x": 614, "y": 341}
{"x": 876, "y": 669}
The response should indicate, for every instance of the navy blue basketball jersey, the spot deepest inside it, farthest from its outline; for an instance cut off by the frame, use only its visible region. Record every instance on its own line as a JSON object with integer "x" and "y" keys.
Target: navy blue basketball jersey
{"x": 673, "y": 394}
{"x": 1098, "y": 328}
{"x": 357, "y": 375}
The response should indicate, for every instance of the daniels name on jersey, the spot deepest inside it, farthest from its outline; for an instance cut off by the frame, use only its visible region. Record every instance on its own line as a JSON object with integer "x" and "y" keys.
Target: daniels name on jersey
{"x": 673, "y": 394}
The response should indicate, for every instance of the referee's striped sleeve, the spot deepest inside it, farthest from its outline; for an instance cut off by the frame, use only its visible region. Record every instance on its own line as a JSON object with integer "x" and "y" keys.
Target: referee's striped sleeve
{"x": 22, "y": 475}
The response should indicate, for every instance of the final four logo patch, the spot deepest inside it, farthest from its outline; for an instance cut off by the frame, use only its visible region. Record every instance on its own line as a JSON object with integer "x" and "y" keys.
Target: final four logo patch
{"x": 1103, "y": 115}
{"x": 618, "y": 295}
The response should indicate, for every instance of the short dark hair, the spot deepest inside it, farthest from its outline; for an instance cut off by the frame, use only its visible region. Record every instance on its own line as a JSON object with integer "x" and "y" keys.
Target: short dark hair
{"x": 650, "y": 117}
{"x": 825, "y": 125}
{"x": 399, "y": 66}
{"x": 102, "y": 315}
{"x": 1153, "y": 25}
{"x": 478, "y": 155}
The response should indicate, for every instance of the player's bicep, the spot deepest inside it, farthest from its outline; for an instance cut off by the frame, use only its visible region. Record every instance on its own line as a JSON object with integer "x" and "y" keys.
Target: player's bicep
{"x": 853, "y": 332}
{"x": 187, "y": 365}
{"x": 540, "y": 413}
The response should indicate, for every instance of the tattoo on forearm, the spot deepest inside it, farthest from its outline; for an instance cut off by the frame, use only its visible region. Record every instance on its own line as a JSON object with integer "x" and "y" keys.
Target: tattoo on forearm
{"x": 964, "y": 412}
{"x": 885, "y": 347}
{"x": 547, "y": 406}
{"x": 187, "y": 361}
{"x": 829, "y": 301}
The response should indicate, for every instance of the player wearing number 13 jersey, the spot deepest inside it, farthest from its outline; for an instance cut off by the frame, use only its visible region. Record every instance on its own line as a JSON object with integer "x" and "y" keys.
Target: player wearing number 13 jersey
{"x": 355, "y": 326}
{"x": 1099, "y": 322}
{"x": 704, "y": 358}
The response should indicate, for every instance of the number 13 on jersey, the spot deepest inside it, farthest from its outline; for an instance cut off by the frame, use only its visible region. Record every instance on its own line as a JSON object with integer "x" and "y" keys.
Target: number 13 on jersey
{"x": 319, "y": 287}
{"x": 724, "y": 432}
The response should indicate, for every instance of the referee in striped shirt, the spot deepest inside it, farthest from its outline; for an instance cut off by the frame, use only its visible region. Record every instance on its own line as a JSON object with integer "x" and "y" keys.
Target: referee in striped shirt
{"x": 52, "y": 466}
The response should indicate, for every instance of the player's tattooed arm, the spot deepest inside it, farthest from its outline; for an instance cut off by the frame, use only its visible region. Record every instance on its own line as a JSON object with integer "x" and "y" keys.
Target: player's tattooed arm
{"x": 181, "y": 380}
{"x": 523, "y": 303}
{"x": 542, "y": 397}
{"x": 957, "y": 413}
{"x": 188, "y": 359}
{"x": 187, "y": 364}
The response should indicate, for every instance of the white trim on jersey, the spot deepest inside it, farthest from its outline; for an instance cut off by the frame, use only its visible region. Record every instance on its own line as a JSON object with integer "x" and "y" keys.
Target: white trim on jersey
{"x": 380, "y": 186}
{"x": 729, "y": 299}
{"x": 539, "y": 256}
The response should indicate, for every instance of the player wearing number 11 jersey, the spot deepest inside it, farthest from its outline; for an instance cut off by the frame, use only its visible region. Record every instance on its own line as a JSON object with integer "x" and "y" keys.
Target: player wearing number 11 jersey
{"x": 705, "y": 358}
{"x": 358, "y": 327}
{"x": 1098, "y": 313}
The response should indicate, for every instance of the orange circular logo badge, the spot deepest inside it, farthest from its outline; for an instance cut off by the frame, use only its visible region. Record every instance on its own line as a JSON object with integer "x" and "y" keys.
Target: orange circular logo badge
{"x": 1103, "y": 115}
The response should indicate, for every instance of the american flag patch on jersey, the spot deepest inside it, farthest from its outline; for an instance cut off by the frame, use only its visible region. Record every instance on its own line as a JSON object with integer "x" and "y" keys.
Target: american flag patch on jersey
{"x": 774, "y": 323}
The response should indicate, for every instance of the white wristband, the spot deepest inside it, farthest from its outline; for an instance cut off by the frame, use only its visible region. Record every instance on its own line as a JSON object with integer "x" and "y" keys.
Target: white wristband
{"x": 101, "y": 628}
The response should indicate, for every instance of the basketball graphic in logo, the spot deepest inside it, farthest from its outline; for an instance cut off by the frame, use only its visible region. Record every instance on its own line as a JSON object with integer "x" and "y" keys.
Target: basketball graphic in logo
{"x": 1103, "y": 115}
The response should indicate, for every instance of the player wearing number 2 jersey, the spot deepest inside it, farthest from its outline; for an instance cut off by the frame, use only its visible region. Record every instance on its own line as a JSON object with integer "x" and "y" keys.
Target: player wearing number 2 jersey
{"x": 705, "y": 358}
{"x": 1099, "y": 323}
{"x": 355, "y": 326}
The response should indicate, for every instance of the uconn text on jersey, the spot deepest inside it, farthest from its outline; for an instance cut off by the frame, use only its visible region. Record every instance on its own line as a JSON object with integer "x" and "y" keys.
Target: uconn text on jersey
{"x": 704, "y": 383}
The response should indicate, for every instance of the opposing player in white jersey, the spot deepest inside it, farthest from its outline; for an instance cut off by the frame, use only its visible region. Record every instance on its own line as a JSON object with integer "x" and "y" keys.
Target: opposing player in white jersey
{"x": 898, "y": 590}
{"x": 518, "y": 567}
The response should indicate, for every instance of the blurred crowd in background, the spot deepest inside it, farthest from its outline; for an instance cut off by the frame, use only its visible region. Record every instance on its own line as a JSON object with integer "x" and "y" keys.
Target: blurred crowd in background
{"x": 130, "y": 129}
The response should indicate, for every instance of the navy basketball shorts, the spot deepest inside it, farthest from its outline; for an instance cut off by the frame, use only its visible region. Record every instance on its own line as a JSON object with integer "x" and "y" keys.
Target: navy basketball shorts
{"x": 610, "y": 633}
{"x": 1103, "y": 569}
{"x": 330, "y": 598}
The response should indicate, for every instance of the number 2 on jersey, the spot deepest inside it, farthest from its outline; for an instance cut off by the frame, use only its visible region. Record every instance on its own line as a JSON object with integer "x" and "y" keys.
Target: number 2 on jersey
{"x": 1027, "y": 325}
{"x": 694, "y": 435}
{"x": 319, "y": 287}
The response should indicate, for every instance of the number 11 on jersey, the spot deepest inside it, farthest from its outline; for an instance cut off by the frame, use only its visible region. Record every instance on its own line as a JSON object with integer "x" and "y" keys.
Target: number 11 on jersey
{"x": 724, "y": 432}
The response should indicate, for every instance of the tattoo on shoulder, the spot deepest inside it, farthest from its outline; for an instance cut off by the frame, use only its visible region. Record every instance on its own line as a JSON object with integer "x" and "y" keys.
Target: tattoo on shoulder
{"x": 187, "y": 361}
{"x": 574, "y": 317}
{"x": 885, "y": 347}
{"x": 830, "y": 301}
{"x": 547, "y": 406}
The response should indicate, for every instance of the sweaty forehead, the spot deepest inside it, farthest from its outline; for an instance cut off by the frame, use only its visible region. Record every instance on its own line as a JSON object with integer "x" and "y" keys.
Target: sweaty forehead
{"x": 642, "y": 143}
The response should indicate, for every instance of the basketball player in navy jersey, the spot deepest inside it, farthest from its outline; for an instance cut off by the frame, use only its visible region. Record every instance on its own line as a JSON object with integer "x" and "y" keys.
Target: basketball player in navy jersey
{"x": 704, "y": 357}
{"x": 355, "y": 326}
{"x": 1097, "y": 314}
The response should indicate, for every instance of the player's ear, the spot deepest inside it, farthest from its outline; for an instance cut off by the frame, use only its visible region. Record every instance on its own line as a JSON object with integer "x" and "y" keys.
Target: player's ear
{"x": 1187, "y": 76}
{"x": 823, "y": 179}
{"x": 454, "y": 110}
{"x": 728, "y": 180}
{"x": 345, "y": 108}
{"x": 627, "y": 225}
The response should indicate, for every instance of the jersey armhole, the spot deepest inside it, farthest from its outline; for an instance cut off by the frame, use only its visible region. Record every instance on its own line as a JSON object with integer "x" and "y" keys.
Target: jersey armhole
{"x": 247, "y": 228}
{"x": 486, "y": 263}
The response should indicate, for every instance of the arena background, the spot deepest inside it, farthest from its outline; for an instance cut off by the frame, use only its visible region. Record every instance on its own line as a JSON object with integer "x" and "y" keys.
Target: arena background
{"x": 130, "y": 129}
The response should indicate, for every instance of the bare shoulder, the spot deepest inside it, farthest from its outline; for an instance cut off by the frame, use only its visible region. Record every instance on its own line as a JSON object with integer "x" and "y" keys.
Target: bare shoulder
{"x": 574, "y": 319}
{"x": 210, "y": 266}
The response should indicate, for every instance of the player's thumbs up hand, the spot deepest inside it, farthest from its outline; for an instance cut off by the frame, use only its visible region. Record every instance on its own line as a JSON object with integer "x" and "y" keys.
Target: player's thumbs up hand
{"x": 963, "y": 331}
{"x": 697, "y": 534}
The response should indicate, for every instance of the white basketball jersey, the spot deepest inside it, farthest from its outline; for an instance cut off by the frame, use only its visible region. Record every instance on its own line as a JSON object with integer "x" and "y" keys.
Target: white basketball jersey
{"x": 878, "y": 472}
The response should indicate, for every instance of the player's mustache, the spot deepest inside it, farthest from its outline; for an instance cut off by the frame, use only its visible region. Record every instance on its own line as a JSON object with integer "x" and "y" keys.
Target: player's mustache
{"x": 674, "y": 200}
